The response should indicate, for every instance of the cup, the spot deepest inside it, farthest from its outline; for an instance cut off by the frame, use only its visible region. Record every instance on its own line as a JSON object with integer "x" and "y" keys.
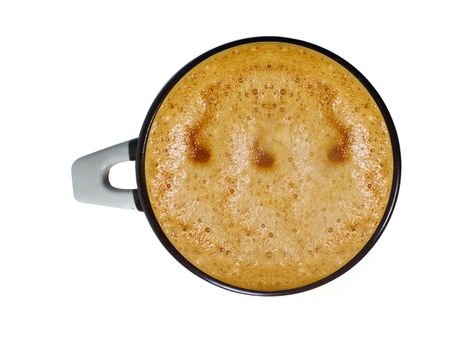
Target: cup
{"x": 90, "y": 174}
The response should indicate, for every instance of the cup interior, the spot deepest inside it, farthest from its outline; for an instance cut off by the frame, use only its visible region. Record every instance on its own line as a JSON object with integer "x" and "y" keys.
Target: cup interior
{"x": 143, "y": 190}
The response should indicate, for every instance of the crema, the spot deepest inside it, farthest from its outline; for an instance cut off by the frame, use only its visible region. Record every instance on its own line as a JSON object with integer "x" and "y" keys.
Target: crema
{"x": 268, "y": 166}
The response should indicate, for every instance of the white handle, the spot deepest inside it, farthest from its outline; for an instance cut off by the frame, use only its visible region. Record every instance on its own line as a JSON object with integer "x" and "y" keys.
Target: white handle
{"x": 90, "y": 175}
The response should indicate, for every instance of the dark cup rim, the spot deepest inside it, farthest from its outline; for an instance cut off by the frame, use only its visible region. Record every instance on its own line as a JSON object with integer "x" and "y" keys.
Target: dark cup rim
{"x": 144, "y": 198}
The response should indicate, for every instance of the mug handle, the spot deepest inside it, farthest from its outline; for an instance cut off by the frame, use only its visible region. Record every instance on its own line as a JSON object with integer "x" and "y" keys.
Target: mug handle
{"x": 90, "y": 176}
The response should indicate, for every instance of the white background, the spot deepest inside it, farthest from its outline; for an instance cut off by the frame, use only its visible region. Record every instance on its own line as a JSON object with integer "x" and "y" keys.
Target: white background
{"x": 76, "y": 77}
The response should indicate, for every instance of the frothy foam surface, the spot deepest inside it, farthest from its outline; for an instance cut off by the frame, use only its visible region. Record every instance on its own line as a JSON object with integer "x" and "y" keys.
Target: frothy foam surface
{"x": 269, "y": 166}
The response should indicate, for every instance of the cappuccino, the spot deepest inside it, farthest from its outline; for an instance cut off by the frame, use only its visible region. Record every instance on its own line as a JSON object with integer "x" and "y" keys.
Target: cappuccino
{"x": 268, "y": 166}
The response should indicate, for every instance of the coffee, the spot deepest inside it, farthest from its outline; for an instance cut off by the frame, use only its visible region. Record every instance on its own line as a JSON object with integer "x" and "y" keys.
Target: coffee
{"x": 268, "y": 166}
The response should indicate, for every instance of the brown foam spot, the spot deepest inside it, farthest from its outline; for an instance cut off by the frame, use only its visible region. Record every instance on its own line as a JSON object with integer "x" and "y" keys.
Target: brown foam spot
{"x": 341, "y": 151}
{"x": 197, "y": 152}
{"x": 261, "y": 158}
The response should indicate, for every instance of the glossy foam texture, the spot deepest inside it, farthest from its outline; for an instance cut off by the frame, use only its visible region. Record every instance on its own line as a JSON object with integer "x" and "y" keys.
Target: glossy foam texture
{"x": 269, "y": 166}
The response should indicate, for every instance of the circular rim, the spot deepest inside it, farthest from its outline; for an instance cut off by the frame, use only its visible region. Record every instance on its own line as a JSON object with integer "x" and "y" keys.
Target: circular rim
{"x": 141, "y": 181}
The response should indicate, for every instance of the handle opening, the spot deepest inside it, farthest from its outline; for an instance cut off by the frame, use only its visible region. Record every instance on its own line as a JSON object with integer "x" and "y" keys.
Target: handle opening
{"x": 90, "y": 175}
